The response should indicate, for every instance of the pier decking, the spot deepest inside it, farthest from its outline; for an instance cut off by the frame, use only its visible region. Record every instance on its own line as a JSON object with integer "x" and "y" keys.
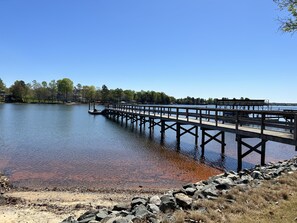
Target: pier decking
{"x": 261, "y": 124}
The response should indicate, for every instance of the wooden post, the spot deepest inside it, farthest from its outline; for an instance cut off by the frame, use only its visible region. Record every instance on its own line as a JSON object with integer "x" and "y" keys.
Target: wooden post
{"x": 263, "y": 152}
{"x": 151, "y": 127}
{"x": 223, "y": 142}
{"x": 196, "y": 136}
{"x": 239, "y": 153}
{"x": 178, "y": 135}
{"x": 162, "y": 130}
{"x": 202, "y": 142}
{"x": 262, "y": 123}
{"x": 237, "y": 120}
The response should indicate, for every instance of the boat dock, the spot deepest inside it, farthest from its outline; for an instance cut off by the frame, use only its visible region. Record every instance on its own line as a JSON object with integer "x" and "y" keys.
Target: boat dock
{"x": 214, "y": 123}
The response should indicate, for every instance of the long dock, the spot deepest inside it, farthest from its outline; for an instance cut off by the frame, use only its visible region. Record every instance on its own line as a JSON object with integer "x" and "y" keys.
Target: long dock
{"x": 277, "y": 126}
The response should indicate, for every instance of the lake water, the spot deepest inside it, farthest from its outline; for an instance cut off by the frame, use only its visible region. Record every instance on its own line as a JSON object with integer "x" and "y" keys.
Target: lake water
{"x": 64, "y": 146}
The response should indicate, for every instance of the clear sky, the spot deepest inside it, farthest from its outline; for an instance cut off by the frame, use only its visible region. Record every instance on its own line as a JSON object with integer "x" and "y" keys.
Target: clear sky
{"x": 222, "y": 48}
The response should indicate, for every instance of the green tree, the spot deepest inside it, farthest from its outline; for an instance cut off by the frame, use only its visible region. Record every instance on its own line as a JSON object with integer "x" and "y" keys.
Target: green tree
{"x": 65, "y": 87}
{"x": 53, "y": 90}
{"x": 90, "y": 93}
{"x": 288, "y": 24}
{"x": 105, "y": 93}
{"x": 19, "y": 91}
{"x": 78, "y": 92}
{"x": 37, "y": 90}
{"x": 2, "y": 85}
{"x": 128, "y": 95}
{"x": 118, "y": 95}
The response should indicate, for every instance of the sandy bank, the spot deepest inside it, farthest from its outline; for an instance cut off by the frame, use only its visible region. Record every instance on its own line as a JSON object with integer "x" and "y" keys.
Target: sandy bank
{"x": 54, "y": 206}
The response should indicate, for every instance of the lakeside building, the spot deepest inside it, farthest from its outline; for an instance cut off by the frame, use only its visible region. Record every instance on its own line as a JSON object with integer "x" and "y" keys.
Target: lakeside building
{"x": 244, "y": 104}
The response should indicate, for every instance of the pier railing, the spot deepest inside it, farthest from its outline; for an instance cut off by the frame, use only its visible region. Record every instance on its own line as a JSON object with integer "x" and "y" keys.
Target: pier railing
{"x": 258, "y": 121}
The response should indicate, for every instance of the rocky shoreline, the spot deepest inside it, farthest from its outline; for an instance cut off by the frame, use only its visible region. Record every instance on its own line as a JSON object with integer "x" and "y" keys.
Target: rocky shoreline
{"x": 155, "y": 208}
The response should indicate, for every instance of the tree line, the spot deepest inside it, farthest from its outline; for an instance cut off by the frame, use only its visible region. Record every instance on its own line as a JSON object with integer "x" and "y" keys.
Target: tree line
{"x": 64, "y": 90}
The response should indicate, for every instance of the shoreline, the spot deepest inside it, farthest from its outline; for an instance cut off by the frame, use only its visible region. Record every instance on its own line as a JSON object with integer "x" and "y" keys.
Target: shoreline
{"x": 21, "y": 204}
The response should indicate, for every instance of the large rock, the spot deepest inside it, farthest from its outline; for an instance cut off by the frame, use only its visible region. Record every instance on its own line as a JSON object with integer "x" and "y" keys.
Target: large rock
{"x": 91, "y": 215}
{"x": 190, "y": 191}
{"x": 87, "y": 220}
{"x": 138, "y": 201}
{"x": 101, "y": 215}
{"x": 224, "y": 183}
{"x": 210, "y": 192}
{"x": 141, "y": 211}
{"x": 168, "y": 203}
{"x": 70, "y": 219}
{"x": 257, "y": 175}
{"x": 245, "y": 179}
{"x": 121, "y": 207}
{"x": 183, "y": 200}
{"x": 118, "y": 220}
{"x": 155, "y": 200}
{"x": 153, "y": 208}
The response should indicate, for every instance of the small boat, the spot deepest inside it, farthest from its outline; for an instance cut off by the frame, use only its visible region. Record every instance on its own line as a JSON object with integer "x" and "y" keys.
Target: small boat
{"x": 94, "y": 112}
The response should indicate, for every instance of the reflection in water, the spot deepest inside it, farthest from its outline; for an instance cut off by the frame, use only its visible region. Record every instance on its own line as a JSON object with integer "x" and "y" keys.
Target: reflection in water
{"x": 57, "y": 145}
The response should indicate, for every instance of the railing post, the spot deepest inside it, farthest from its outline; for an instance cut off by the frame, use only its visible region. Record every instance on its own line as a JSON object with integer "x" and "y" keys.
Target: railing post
{"x": 237, "y": 120}
{"x": 216, "y": 117}
{"x": 200, "y": 116}
{"x": 169, "y": 110}
{"x": 187, "y": 114}
{"x": 177, "y": 112}
{"x": 161, "y": 112}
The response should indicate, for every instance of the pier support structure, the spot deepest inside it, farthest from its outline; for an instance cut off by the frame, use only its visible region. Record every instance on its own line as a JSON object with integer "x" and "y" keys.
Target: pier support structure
{"x": 241, "y": 155}
{"x": 205, "y": 132}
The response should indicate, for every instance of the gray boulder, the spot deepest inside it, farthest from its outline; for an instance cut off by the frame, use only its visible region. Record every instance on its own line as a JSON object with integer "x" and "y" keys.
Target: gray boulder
{"x": 257, "y": 175}
{"x": 118, "y": 220}
{"x": 101, "y": 215}
{"x": 70, "y": 219}
{"x": 168, "y": 203}
{"x": 224, "y": 183}
{"x": 121, "y": 207}
{"x": 138, "y": 201}
{"x": 141, "y": 211}
{"x": 190, "y": 191}
{"x": 183, "y": 200}
{"x": 153, "y": 208}
{"x": 155, "y": 200}
{"x": 210, "y": 192}
{"x": 89, "y": 215}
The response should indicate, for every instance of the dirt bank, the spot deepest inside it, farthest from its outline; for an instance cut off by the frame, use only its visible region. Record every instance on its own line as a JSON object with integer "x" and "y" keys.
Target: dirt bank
{"x": 54, "y": 206}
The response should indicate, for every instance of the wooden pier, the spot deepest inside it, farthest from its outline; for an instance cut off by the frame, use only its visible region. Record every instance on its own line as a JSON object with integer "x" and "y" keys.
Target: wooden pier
{"x": 214, "y": 122}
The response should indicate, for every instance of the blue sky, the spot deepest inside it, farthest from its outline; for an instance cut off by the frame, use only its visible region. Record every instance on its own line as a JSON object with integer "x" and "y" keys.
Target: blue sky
{"x": 184, "y": 48}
